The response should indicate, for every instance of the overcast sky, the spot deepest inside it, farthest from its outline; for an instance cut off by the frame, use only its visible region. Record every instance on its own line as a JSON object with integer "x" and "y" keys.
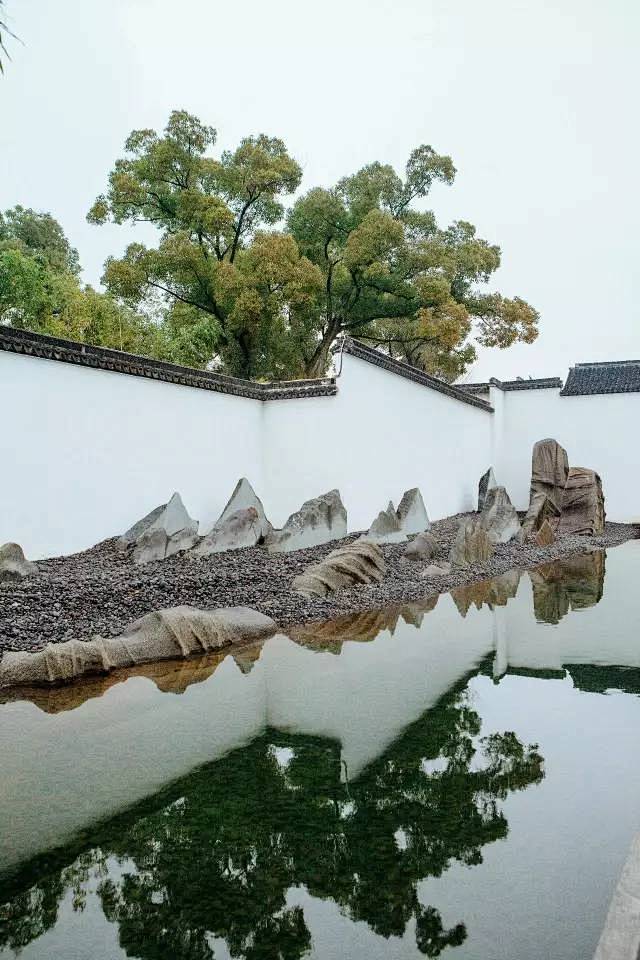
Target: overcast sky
{"x": 535, "y": 100}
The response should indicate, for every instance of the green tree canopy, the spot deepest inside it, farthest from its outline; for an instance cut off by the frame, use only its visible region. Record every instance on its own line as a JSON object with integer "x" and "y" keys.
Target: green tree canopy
{"x": 358, "y": 258}
{"x": 40, "y": 290}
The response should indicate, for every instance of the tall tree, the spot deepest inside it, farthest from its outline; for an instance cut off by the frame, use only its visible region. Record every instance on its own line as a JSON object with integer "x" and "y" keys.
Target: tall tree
{"x": 40, "y": 290}
{"x": 4, "y": 32}
{"x": 392, "y": 277}
{"x": 358, "y": 258}
{"x": 231, "y": 287}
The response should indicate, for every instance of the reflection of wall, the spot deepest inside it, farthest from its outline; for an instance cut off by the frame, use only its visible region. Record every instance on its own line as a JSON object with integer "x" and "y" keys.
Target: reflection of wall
{"x": 116, "y": 749}
{"x": 363, "y": 692}
{"x": 604, "y": 633}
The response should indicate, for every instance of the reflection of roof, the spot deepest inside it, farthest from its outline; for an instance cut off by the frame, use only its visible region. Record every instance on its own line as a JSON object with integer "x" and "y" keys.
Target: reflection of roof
{"x": 539, "y": 383}
{"x": 617, "y": 376}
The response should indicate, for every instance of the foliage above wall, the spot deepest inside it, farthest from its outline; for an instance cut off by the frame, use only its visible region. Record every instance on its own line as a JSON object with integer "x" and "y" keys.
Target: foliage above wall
{"x": 357, "y": 258}
{"x": 239, "y": 284}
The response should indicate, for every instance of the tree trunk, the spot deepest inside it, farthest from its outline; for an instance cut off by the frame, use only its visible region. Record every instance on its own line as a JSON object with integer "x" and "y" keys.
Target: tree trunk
{"x": 317, "y": 365}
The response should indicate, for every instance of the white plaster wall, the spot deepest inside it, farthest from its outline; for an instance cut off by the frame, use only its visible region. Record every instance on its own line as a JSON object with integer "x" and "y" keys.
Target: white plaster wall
{"x": 381, "y": 435}
{"x": 85, "y": 453}
{"x": 597, "y": 432}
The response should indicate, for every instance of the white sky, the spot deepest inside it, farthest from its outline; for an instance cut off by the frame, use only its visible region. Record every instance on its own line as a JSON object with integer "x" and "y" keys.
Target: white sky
{"x": 535, "y": 100}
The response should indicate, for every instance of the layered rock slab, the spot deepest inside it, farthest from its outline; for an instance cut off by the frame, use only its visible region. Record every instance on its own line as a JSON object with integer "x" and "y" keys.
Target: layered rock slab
{"x": 412, "y": 513}
{"x": 163, "y": 532}
{"x": 386, "y": 527}
{"x": 168, "y": 634}
{"x": 487, "y": 482}
{"x": 318, "y": 521}
{"x": 244, "y": 497}
{"x": 582, "y": 508}
{"x": 499, "y": 517}
{"x": 549, "y": 474}
{"x": 355, "y": 564}
{"x": 237, "y": 530}
{"x": 13, "y": 563}
{"x": 471, "y": 545}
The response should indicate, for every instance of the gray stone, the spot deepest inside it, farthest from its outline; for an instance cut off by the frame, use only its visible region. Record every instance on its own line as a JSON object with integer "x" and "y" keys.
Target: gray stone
{"x": 436, "y": 570}
{"x": 423, "y": 547}
{"x": 242, "y": 498}
{"x": 549, "y": 473}
{"x": 471, "y": 545}
{"x": 582, "y": 508}
{"x": 317, "y": 521}
{"x": 386, "y": 527}
{"x": 499, "y": 517}
{"x": 237, "y": 530}
{"x": 412, "y": 513}
{"x": 163, "y": 635}
{"x": 354, "y": 564}
{"x": 13, "y": 564}
{"x": 487, "y": 482}
{"x": 163, "y": 532}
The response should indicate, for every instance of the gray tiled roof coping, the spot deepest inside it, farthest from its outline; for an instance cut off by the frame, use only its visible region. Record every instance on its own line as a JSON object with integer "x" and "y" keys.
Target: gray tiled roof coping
{"x": 358, "y": 349}
{"x": 45, "y": 347}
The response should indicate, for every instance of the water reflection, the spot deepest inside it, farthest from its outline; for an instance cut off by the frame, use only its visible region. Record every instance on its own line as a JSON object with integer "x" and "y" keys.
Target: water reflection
{"x": 217, "y": 852}
{"x": 572, "y": 584}
{"x": 350, "y": 760}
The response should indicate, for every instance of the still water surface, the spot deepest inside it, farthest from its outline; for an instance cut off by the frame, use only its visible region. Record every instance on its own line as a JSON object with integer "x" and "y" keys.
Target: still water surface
{"x": 455, "y": 779}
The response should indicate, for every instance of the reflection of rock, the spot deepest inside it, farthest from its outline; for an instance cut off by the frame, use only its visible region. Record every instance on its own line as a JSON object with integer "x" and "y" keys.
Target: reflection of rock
{"x": 243, "y": 497}
{"x": 354, "y": 564}
{"x": 471, "y": 545}
{"x": 423, "y": 547}
{"x": 572, "y": 584}
{"x": 495, "y": 592}
{"x": 317, "y": 521}
{"x": 487, "y": 482}
{"x": 582, "y": 504}
{"x": 162, "y": 635}
{"x": 355, "y": 627}
{"x": 169, "y": 676}
{"x": 499, "y": 517}
{"x": 163, "y": 532}
{"x": 386, "y": 527}
{"x": 412, "y": 513}
{"x": 240, "y": 529}
{"x": 549, "y": 472}
{"x": 13, "y": 563}
{"x": 545, "y": 535}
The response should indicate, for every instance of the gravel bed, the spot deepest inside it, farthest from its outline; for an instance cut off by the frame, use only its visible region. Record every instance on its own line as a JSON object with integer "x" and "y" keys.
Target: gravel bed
{"x": 101, "y": 590}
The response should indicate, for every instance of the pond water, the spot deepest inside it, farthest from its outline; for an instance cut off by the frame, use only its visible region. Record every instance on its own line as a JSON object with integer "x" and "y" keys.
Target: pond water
{"x": 455, "y": 778}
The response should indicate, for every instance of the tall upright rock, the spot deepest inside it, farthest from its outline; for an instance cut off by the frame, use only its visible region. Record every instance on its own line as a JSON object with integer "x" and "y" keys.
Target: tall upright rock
{"x": 549, "y": 473}
{"x": 499, "y": 517}
{"x": 487, "y": 482}
{"x": 582, "y": 508}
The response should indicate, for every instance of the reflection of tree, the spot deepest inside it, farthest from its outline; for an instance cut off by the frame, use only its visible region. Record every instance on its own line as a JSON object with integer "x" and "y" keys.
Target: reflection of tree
{"x": 216, "y": 853}
{"x": 572, "y": 584}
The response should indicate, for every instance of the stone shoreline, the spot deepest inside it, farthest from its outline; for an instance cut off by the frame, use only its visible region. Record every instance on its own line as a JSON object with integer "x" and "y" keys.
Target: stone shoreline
{"x": 101, "y": 591}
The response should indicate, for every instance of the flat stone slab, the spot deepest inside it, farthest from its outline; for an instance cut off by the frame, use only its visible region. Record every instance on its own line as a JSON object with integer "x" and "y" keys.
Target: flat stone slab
{"x": 486, "y": 483}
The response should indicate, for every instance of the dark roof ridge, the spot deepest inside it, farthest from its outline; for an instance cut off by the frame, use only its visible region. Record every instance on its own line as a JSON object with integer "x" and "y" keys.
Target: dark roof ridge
{"x": 46, "y": 347}
{"x": 358, "y": 349}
